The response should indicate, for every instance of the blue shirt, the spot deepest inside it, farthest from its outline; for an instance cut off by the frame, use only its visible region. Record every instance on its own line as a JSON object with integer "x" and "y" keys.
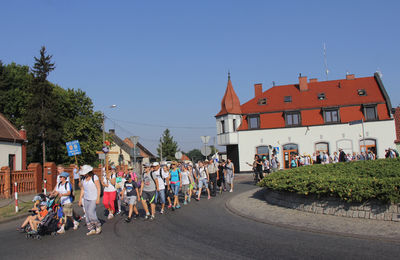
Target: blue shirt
{"x": 174, "y": 176}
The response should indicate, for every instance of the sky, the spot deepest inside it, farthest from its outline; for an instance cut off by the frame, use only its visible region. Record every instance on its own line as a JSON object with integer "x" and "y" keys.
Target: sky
{"x": 165, "y": 63}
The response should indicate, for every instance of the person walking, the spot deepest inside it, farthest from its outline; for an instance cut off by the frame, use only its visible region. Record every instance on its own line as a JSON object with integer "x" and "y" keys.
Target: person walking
{"x": 90, "y": 197}
{"x": 212, "y": 171}
{"x": 64, "y": 190}
{"x": 221, "y": 177}
{"x": 132, "y": 190}
{"x": 148, "y": 190}
{"x": 203, "y": 179}
{"x": 160, "y": 194}
{"x": 76, "y": 177}
{"x": 186, "y": 180}
{"x": 230, "y": 173}
{"x": 175, "y": 178}
{"x": 110, "y": 192}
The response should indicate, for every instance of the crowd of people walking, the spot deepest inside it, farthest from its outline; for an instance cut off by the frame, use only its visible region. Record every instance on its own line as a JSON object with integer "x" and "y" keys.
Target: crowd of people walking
{"x": 162, "y": 186}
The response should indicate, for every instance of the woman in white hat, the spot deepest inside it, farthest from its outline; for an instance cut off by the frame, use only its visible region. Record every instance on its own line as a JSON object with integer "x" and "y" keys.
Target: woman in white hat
{"x": 90, "y": 197}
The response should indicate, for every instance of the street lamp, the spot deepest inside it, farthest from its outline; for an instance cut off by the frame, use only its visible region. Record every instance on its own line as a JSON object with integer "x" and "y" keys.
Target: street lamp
{"x": 104, "y": 129}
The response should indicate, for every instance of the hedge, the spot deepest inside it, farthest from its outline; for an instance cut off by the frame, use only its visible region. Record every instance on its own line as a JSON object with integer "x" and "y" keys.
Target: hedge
{"x": 359, "y": 181}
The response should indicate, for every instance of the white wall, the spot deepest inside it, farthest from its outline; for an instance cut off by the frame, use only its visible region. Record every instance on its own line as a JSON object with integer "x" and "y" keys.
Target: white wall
{"x": 305, "y": 138}
{"x": 7, "y": 148}
{"x": 230, "y": 136}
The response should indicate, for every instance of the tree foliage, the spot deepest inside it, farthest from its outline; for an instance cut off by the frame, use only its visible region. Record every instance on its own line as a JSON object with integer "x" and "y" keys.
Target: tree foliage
{"x": 29, "y": 100}
{"x": 168, "y": 146}
{"x": 195, "y": 155}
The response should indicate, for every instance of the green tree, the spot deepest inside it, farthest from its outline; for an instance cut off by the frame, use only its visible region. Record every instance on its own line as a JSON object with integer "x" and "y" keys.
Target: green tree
{"x": 42, "y": 124}
{"x": 195, "y": 155}
{"x": 167, "y": 147}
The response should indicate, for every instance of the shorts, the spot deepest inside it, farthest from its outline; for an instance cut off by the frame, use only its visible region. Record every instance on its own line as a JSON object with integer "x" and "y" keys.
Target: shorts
{"x": 203, "y": 182}
{"x": 160, "y": 195}
{"x": 67, "y": 209}
{"x": 229, "y": 177}
{"x": 149, "y": 196}
{"x": 175, "y": 189}
{"x": 131, "y": 200}
{"x": 185, "y": 188}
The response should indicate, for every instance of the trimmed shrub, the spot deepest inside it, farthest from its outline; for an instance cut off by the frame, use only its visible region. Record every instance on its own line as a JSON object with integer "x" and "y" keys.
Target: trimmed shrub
{"x": 351, "y": 181}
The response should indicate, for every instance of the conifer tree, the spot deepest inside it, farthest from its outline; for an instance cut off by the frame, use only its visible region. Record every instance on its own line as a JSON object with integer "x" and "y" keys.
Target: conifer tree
{"x": 167, "y": 147}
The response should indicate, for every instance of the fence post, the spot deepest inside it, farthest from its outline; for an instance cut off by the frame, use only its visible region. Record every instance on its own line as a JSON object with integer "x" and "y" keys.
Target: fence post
{"x": 16, "y": 198}
{"x": 45, "y": 189}
{"x": 7, "y": 181}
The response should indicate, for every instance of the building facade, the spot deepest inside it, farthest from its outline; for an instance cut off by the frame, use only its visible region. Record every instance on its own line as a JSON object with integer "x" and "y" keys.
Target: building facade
{"x": 354, "y": 114}
{"x": 12, "y": 145}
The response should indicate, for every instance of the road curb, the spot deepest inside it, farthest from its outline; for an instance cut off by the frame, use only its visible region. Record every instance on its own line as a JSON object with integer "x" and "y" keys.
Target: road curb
{"x": 231, "y": 208}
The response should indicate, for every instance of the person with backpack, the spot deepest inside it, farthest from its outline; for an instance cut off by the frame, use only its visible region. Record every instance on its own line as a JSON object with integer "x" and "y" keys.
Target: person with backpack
{"x": 110, "y": 192}
{"x": 148, "y": 190}
{"x": 203, "y": 179}
{"x": 175, "y": 181}
{"x": 90, "y": 197}
{"x": 64, "y": 190}
{"x": 212, "y": 172}
{"x": 132, "y": 190}
{"x": 161, "y": 176}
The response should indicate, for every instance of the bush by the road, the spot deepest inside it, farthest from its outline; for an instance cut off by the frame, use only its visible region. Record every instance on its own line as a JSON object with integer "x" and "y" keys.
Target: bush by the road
{"x": 351, "y": 181}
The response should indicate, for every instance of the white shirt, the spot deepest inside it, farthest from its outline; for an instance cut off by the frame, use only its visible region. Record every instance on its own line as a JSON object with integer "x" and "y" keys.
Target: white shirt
{"x": 89, "y": 188}
{"x": 185, "y": 178}
{"x": 61, "y": 189}
{"x": 110, "y": 187}
{"x": 161, "y": 184}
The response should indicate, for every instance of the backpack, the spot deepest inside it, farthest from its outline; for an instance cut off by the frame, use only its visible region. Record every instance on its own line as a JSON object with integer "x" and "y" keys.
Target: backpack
{"x": 101, "y": 186}
{"x": 71, "y": 196}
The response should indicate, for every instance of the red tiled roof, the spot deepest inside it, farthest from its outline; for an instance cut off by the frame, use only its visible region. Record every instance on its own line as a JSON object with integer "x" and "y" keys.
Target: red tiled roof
{"x": 7, "y": 131}
{"x": 337, "y": 92}
{"x": 230, "y": 103}
{"x": 341, "y": 93}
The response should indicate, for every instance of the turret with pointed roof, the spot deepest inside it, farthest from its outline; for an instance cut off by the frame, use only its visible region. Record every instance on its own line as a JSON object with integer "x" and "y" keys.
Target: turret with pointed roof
{"x": 230, "y": 103}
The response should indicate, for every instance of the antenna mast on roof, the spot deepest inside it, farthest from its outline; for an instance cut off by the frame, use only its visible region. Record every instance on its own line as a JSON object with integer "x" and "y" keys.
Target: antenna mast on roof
{"x": 326, "y": 63}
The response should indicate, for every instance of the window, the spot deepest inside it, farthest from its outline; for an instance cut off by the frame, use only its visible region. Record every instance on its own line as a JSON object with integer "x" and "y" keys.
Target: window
{"x": 287, "y": 99}
{"x": 234, "y": 125}
{"x": 331, "y": 116}
{"x": 321, "y": 96}
{"x": 262, "y": 101}
{"x": 254, "y": 121}
{"x": 222, "y": 126}
{"x": 262, "y": 150}
{"x": 370, "y": 112}
{"x": 292, "y": 118}
{"x": 362, "y": 92}
{"x": 321, "y": 147}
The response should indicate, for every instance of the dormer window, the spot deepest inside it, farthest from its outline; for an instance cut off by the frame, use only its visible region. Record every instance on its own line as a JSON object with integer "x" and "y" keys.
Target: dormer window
{"x": 362, "y": 92}
{"x": 370, "y": 112}
{"x": 254, "y": 121}
{"x": 287, "y": 99}
{"x": 262, "y": 101}
{"x": 321, "y": 96}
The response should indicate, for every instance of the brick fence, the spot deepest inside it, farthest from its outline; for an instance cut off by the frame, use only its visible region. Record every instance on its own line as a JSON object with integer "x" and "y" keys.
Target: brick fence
{"x": 333, "y": 206}
{"x": 28, "y": 181}
{"x": 32, "y": 181}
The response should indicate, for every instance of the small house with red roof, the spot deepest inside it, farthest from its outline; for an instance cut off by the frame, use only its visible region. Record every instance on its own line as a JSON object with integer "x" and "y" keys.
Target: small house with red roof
{"x": 12, "y": 145}
{"x": 308, "y": 117}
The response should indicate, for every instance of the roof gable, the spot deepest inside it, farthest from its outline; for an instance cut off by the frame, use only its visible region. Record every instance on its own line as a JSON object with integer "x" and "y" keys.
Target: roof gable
{"x": 8, "y": 131}
{"x": 230, "y": 103}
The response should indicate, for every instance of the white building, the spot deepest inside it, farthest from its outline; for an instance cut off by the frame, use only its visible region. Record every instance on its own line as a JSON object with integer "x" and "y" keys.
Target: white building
{"x": 306, "y": 118}
{"x": 12, "y": 145}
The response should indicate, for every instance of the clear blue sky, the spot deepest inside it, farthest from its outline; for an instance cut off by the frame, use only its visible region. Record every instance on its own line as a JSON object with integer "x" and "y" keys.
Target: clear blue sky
{"x": 165, "y": 62}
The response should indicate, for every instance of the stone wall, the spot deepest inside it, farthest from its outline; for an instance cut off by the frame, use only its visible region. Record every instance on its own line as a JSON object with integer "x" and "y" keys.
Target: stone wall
{"x": 333, "y": 206}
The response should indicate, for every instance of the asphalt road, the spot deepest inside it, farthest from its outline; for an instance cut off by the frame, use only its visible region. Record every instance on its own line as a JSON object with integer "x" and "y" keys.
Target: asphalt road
{"x": 200, "y": 230}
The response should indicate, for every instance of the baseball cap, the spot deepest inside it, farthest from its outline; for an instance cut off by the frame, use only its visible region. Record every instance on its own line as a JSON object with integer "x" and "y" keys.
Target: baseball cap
{"x": 86, "y": 169}
{"x": 64, "y": 174}
{"x": 146, "y": 165}
{"x": 155, "y": 164}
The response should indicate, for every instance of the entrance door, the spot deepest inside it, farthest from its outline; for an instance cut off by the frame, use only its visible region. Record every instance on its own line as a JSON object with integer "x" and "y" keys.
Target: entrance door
{"x": 288, "y": 151}
{"x": 11, "y": 161}
{"x": 370, "y": 145}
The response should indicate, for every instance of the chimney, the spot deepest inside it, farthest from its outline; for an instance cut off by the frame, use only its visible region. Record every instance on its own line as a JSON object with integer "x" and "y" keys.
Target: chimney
{"x": 22, "y": 133}
{"x": 258, "y": 89}
{"x": 350, "y": 76}
{"x": 313, "y": 80}
{"x": 303, "y": 83}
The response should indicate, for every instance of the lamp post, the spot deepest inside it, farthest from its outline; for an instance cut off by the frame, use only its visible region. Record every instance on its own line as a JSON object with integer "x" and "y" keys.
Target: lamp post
{"x": 104, "y": 129}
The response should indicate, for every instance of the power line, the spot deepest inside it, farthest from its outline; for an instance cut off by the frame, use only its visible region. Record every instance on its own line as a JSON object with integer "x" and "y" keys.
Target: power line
{"x": 162, "y": 126}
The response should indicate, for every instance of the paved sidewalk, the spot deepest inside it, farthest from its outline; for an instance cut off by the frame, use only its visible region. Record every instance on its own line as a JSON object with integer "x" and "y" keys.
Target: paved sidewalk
{"x": 252, "y": 205}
